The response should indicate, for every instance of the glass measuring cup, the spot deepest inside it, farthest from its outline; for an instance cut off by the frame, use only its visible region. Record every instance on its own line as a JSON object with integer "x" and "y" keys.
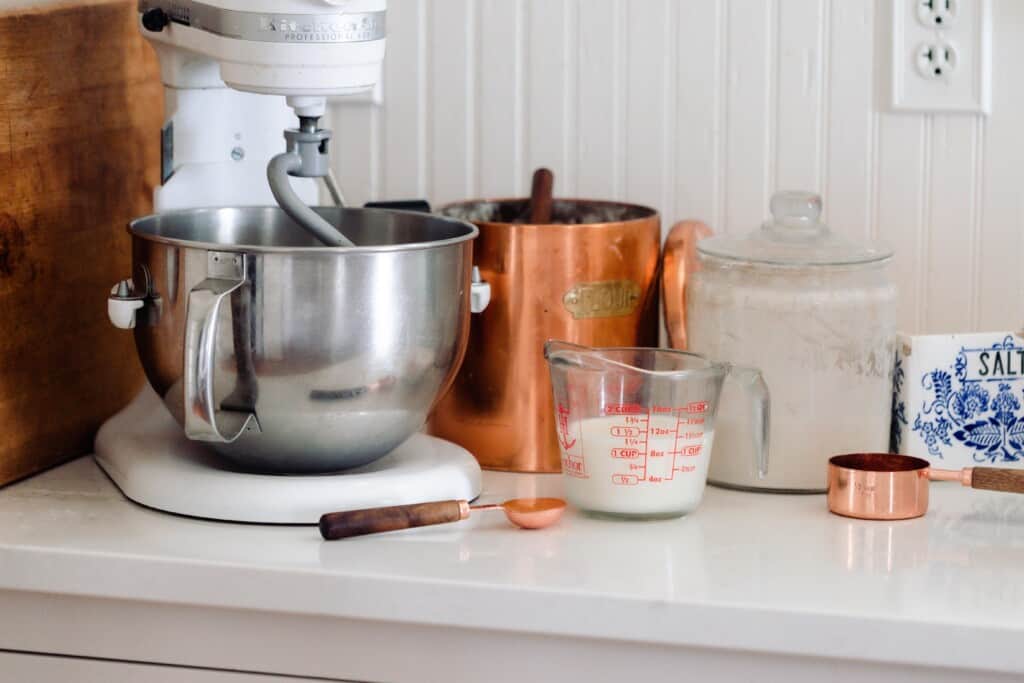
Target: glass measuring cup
{"x": 635, "y": 426}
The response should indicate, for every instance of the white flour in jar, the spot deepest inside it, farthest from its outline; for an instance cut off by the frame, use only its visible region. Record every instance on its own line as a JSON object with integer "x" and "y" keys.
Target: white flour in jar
{"x": 824, "y": 341}
{"x": 636, "y": 465}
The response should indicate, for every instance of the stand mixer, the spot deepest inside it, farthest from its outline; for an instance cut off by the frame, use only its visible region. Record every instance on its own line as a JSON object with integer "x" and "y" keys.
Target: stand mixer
{"x": 236, "y": 72}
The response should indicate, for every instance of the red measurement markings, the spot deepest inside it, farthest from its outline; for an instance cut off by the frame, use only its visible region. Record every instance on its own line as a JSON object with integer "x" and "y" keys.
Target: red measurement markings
{"x": 696, "y": 407}
{"x": 686, "y": 468}
{"x": 661, "y": 431}
{"x": 625, "y": 479}
{"x": 691, "y": 450}
{"x": 675, "y": 445}
{"x": 626, "y": 432}
{"x": 623, "y": 409}
{"x": 573, "y": 467}
{"x": 582, "y": 458}
{"x": 563, "y": 428}
{"x": 691, "y": 420}
{"x": 635, "y": 419}
{"x": 654, "y": 453}
{"x": 693, "y": 435}
{"x": 626, "y": 453}
{"x": 647, "y": 450}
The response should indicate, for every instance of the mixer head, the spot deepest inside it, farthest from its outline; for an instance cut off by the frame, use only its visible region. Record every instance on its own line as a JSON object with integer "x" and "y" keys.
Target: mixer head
{"x": 306, "y": 48}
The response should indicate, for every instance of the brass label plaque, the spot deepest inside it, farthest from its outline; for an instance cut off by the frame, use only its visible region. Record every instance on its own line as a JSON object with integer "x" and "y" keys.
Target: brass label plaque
{"x": 607, "y": 299}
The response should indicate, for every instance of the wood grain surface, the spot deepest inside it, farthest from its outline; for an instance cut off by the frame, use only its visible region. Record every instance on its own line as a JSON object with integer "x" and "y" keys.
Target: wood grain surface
{"x": 998, "y": 479}
{"x": 335, "y": 525}
{"x": 81, "y": 107}
{"x": 541, "y": 196}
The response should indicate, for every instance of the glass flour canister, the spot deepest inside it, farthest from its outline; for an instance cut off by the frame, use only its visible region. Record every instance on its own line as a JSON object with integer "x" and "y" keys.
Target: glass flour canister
{"x": 815, "y": 312}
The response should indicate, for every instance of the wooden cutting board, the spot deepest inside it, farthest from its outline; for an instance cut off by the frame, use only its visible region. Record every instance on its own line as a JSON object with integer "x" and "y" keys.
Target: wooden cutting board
{"x": 81, "y": 107}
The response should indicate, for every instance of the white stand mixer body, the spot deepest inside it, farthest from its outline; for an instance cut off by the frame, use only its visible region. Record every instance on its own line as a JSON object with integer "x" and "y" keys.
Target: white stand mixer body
{"x": 275, "y": 47}
{"x": 219, "y": 139}
{"x": 217, "y": 142}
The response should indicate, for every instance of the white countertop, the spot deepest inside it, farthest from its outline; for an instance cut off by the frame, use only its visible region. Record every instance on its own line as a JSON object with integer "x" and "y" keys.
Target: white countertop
{"x": 749, "y": 572}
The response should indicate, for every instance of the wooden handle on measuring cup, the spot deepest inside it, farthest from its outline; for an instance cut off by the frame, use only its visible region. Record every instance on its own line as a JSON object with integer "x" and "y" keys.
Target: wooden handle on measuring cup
{"x": 334, "y": 525}
{"x": 998, "y": 479}
{"x": 679, "y": 261}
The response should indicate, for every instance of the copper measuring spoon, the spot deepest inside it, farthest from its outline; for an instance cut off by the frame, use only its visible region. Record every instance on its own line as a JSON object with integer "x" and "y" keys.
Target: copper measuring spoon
{"x": 526, "y": 513}
{"x": 888, "y": 486}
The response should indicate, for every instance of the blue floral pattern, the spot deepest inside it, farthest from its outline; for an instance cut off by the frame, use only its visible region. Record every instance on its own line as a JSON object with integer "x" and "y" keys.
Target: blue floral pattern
{"x": 964, "y": 410}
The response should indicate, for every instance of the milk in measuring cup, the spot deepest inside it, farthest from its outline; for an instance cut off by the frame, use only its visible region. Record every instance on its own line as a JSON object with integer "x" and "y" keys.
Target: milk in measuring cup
{"x": 642, "y": 465}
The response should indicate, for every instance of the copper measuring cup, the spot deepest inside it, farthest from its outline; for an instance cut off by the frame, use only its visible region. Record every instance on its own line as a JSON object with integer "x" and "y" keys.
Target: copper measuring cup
{"x": 887, "y": 486}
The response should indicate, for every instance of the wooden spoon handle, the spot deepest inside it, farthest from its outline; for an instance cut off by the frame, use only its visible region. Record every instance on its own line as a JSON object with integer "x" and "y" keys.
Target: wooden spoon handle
{"x": 540, "y": 196}
{"x": 998, "y": 479}
{"x": 334, "y": 525}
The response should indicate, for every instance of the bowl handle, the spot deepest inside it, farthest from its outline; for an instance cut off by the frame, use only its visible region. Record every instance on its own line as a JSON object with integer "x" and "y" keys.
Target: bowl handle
{"x": 204, "y": 420}
{"x": 679, "y": 260}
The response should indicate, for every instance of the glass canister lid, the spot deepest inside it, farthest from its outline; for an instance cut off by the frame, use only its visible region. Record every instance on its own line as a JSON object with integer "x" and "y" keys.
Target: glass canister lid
{"x": 794, "y": 236}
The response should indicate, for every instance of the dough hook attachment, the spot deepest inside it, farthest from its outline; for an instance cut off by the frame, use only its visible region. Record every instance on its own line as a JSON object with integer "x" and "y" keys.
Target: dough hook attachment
{"x": 306, "y": 157}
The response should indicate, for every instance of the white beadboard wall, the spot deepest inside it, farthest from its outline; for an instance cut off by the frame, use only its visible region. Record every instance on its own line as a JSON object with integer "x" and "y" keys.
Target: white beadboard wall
{"x": 703, "y": 108}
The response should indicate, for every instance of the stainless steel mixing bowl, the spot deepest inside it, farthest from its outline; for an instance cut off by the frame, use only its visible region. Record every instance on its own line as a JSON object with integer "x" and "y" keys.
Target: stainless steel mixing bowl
{"x": 285, "y": 356}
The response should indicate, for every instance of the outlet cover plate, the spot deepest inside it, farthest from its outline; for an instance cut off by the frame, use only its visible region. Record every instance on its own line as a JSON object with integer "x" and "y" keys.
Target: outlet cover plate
{"x": 967, "y": 88}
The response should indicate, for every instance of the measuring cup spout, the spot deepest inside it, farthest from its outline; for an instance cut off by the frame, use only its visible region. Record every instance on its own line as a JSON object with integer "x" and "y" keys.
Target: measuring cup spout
{"x": 566, "y": 353}
{"x": 552, "y": 346}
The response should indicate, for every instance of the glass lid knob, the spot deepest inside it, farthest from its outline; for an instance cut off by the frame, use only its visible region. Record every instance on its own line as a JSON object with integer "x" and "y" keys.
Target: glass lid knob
{"x": 798, "y": 209}
{"x": 793, "y": 236}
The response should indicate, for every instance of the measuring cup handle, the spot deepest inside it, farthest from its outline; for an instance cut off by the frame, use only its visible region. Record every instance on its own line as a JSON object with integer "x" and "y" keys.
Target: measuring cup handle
{"x": 756, "y": 390}
{"x": 998, "y": 479}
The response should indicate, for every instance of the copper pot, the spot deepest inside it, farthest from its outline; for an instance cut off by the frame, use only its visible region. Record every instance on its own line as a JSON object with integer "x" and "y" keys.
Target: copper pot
{"x": 589, "y": 277}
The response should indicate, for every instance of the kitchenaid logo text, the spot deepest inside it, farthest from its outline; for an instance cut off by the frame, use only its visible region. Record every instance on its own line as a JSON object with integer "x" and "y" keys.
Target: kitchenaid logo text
{"x": 994, "y": 364}
{"x": 322, "y": 30}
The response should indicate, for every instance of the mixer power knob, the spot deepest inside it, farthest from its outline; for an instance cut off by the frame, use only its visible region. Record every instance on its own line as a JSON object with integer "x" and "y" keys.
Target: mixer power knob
{"x": 155, "y": 19}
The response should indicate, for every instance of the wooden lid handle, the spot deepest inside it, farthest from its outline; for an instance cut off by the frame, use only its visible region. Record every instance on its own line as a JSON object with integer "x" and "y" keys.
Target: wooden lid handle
{"x": 334, "y": 525}
{"x": 998, "y": 479}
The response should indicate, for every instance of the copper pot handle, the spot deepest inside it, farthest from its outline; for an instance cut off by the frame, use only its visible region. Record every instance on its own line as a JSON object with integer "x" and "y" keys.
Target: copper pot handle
{"x": 679, "y": 259}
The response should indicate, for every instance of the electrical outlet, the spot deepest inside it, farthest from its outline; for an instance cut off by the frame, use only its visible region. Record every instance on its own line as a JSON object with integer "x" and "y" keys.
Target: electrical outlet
{"x": 937, "y": 13}
{"x": 936, "y": 61}
{"x": 941, "y": 55}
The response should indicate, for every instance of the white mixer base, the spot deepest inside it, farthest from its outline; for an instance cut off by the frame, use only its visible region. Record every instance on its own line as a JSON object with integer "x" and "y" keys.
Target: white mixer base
{"x": 143, "y": 450}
